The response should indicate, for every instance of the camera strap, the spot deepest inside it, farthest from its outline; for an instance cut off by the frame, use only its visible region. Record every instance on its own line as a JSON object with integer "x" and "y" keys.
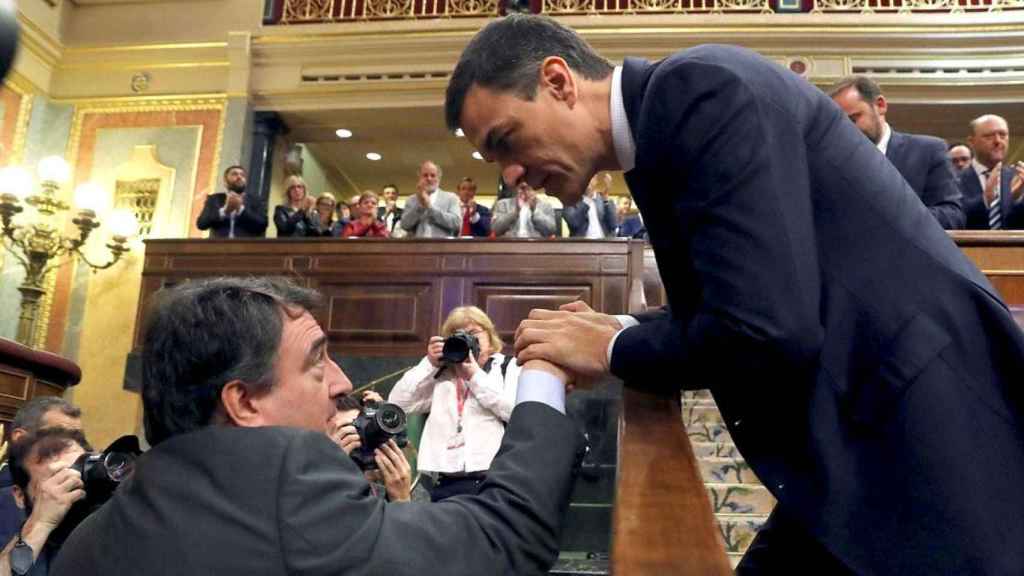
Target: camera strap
{"x": 461, "y": 393}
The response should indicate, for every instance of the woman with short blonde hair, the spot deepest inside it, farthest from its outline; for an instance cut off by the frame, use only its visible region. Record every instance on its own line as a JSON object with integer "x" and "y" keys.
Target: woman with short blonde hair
{"x": 469, "y": 403}
{"x": 297, "y": 217}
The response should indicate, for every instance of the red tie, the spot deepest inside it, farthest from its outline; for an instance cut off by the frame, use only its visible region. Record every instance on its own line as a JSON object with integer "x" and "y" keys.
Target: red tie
{"x": 465, "y": 222}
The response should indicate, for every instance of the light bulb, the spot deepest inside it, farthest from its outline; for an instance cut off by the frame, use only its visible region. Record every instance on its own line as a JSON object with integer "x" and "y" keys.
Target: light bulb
{"x": 54, "y": 169}
{"x": 122, "y": 223}
{"x": 15, "y": 180}
{"x": 90, "y": 196}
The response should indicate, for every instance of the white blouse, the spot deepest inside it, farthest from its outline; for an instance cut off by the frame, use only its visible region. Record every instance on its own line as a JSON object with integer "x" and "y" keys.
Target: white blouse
{"x": 487, "y": 406}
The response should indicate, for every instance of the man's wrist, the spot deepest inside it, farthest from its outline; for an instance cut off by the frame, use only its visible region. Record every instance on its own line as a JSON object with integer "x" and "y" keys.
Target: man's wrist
{"x": 541, "y": 386}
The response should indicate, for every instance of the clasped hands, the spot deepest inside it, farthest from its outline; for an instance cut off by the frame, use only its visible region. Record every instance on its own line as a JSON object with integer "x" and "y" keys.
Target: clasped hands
{"x": 570, "y": 343}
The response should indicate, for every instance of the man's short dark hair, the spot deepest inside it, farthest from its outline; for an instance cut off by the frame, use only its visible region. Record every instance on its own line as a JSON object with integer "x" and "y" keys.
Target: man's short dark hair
{"x": 386, "y": 186}
{"x": 233, "y": 167}
{"x": 867, "y": 88}
{"x": 506, "y": 56}
{"x": 30, "y": 416}
{"x": 40, "y": 446}
{"x": 200, "y": 335}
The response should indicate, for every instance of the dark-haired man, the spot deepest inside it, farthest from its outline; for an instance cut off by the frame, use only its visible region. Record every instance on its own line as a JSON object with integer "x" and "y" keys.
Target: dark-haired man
{"x": 46, "y": 487}
{"x": 846, "y": 339}
{"x": 238, "y": 394}
{"x": 920, "y": 159}
{"x": 476, "y": 219}
{"x": 233, "y": 213}
{"x": 390, "y": 214}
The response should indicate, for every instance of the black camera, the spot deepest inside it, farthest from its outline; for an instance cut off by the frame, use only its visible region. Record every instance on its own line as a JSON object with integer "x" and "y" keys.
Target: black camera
{"x": 376, "y": 424}
{"x": 458, "y": 346}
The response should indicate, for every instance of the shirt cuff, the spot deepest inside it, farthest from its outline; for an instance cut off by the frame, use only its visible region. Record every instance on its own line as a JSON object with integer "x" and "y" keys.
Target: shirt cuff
{"x": 627, "y": 321}
{"x": 543, "y": 387}
{"x": 474, "y": 218}
{"x": 240, "y": 210}
{"x": 223, "y": 212}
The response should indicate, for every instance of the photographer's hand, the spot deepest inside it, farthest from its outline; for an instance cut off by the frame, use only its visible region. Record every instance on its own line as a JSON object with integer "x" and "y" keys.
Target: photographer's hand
{"x": 53, "y": 498}
{"x": 434, "y": 349}
{"x": 396, "y": 471}
{"x": 372, "y": 396}
{"x": 468, "y": 368}
{"x": 343, "y": 433}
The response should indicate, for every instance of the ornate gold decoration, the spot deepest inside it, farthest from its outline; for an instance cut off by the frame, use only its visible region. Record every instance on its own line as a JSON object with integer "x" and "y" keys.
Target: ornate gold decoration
{"x": 387, "y": 9}
{"x": 139, "y": 197}
{"x": 307, "y": 10}
{"x": 471, "y": 7}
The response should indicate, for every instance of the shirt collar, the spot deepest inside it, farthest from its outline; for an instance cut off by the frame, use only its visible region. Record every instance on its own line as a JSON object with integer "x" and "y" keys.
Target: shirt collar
{"x": 883, "y": 143}
{"x": 622, "y": 135}
{"x": 979, "y": 167}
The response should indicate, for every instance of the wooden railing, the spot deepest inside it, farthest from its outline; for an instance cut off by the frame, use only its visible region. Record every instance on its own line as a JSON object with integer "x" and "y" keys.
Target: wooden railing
{"x": 26, "y": 373}
{"x": 319, "y": 11}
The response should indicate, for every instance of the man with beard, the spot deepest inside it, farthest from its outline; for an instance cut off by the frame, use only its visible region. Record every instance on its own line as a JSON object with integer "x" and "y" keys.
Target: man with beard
{"x": 866, "y": 370}
{"x": 920, "y": 159}
{"x": 233, "y": 213}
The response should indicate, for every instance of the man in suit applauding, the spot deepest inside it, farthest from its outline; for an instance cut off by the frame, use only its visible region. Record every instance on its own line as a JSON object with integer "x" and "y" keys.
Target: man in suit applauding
{"x": 992, "y": 191}
{"x": 238, "y": 395}
{"x": 868, "y": 373}
{"x": 233, "y": 213}
{"x": 921, "y": 160}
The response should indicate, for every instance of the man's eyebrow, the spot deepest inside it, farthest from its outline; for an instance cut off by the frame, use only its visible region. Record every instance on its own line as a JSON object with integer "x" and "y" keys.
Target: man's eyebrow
{"x": 316, "y": 351}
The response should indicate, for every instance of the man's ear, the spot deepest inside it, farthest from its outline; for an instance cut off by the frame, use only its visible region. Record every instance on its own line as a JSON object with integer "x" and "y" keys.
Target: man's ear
{"x": 881, "y": 106}
{"x": 19, "y": 496}
{"x": 557, "y": 78}
{"x": 239, "y": 405}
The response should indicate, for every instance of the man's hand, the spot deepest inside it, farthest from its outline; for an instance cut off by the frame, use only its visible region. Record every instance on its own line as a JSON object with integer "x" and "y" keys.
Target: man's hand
{"x": 341, "y": 431}
{"x": 389, "y": 206}
{"x": 581, "y": 307}
{"x": 557, "y": 372}
{"x": 1017, "y": 184}
{"x": 395, "y": 470}
{"x": 576, "y": 341}
{"x": 422, "y": 195}
{"x": 56, "y": 494}
{"x": 471, "y": 205}
{"x": 233, "y": 203}
{"x": 991, "y": 183}
{"x": 531, "y": 198}
{"x": 434, "y": 349}
{"x": 372, "y": 396}
{"x": 308, "y": 203}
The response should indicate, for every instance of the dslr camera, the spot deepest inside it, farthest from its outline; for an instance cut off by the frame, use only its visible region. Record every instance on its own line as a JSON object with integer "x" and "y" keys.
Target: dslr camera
{"x": 456, "y": 349}
{"x": 376, "y": 424}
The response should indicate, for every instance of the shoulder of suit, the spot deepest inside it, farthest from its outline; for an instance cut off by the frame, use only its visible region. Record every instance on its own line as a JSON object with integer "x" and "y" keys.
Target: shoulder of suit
{"x": 258, "y": 442}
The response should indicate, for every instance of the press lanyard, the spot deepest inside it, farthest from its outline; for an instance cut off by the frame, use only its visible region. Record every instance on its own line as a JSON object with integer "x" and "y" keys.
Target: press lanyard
{"x": 461, "y": 392}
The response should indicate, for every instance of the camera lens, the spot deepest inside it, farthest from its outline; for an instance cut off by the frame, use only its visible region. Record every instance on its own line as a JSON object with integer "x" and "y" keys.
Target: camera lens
{"x": 118, "y": 465}
{"x": 391, "y": 418}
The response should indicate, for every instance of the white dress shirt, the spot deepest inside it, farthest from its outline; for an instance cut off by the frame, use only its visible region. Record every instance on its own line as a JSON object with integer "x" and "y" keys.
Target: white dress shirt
{"x": 594, "y": 229}
{"x": 883, "y": 142}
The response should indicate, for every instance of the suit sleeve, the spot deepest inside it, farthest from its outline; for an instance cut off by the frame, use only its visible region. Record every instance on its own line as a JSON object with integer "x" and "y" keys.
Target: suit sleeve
{"x": 483, "y": 225}
{"x": 287, "y": 223}
{"x": 330, "y": 524}
{"x": 210, "y": 215}
{"x": 414, "y": 391}
{"x": 611, "y": 218}
{"x": 942, "y": 193}
{"x": 254, "y": 218}
{"x": 544, "y": 218}
{"x": 747, "y": 265}
{"x": 504, "y": 216}
{"x": 574, "y": 217}
{"x": 411, "y": 214}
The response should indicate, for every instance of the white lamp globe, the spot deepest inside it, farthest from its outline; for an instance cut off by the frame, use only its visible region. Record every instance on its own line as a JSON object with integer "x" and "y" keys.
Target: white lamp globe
{"x": 54, "y": 169}
{"x": 17, "y": 181}
{"x": 123, "y": 223}
{"x": 90, "y": 196}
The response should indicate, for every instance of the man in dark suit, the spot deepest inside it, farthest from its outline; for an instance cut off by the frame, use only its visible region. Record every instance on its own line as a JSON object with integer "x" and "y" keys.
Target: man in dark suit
{"x": 233, "y": 213}
{"x": 992, "y": 191}
{"x": 476, "y": 219}
{"x": 921, "y": 160}
{"x": 242, "y": 478}
{"x": 390, "y": 214}
{"x": 594, "y": 216}
{"x": 867, "y": 371}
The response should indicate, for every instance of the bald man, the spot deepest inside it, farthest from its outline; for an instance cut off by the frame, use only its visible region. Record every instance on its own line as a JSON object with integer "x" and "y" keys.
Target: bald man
{"x": 991, "y": 186}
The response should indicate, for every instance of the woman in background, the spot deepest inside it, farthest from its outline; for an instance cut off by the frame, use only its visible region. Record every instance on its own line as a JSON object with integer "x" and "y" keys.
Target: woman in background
{"x": 296, "y": 218}
{"x": 469, "y": 404}
{"x": 364, "y": 222}
{"x": 328, "y": 224}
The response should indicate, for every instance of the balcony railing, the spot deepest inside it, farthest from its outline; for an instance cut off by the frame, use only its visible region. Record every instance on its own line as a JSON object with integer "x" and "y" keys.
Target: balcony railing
{"x": 318, "y": 11}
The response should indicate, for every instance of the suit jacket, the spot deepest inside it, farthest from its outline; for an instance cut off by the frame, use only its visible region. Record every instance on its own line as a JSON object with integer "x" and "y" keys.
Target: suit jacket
{"x": 866, "y": 370}
{"x": 382, "y": 212}
{"x": 251, "y": 223}
{"x": 974, "y": 201}
{"x": 442, "y": 220}
{"x": 924, "y": 165}
{"x": 633, "y": 227}
{"x": 505, "y": 222}
{"x": 295, "y": 223}
{"x": 276, "y": 501}
{"x": 577, "y": 217}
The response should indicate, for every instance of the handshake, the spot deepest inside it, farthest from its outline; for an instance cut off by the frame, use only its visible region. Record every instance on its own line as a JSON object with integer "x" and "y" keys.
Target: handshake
{"x": 570, "y": 343}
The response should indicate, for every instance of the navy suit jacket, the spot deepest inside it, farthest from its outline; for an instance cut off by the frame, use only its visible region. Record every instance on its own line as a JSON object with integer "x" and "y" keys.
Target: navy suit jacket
{"x": 632, "y": 227}
{"x": 251, "y": 223}
{"x": 577, "y": 217}
{"x": 924, "y": 165}
{"x": 482, "y": 227}
{"x": 974, "y": 201}
{"x": 869, "y": 374}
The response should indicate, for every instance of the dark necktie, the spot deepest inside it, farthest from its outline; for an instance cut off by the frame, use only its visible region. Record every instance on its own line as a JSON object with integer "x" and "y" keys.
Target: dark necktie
{"x": 995, "y": 216}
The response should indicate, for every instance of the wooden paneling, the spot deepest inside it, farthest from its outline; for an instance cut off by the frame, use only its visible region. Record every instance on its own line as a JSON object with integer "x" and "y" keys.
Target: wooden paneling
{"x": 508, "y": 304}
{"x": 26, "y": 373}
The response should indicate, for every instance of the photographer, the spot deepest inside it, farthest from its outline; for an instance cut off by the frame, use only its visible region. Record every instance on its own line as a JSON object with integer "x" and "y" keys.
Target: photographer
{"x": 469, "y": 403}
{"x": 45, "y": 486}
{"x": 393, "y": 471}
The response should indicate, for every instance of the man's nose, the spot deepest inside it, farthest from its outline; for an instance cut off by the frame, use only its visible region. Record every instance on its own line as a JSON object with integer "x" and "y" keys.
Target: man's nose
{"x": 338, "y": 383}
{"x": 512, "y": 174}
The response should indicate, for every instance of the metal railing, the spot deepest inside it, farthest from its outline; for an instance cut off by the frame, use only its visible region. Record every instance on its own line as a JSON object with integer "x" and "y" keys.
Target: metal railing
{"x": 313, "y": 11}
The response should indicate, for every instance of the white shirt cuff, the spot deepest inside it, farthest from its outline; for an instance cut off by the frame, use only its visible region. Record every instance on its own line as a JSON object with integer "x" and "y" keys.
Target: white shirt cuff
{"x": 223, "y": 212}
{"x": 627, "y": 321}
{"x": 543, "y": 387}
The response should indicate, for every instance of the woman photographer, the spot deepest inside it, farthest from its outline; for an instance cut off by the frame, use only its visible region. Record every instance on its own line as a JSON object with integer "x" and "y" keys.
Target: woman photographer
{"x": 468, "y": 402}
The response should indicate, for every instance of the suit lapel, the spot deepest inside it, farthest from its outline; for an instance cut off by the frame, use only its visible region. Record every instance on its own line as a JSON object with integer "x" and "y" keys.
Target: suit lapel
{"x": 895, "y": 147}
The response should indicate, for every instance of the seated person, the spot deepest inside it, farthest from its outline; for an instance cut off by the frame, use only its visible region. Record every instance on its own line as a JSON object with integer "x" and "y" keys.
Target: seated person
{"x": 46, "y": 487}
{"x": 296, "y": 218}
{"x": 241, "y": 479}
{"x": 468, "y": 403}
{"x": 40, "y": 413}
{"x": 595, "y": 216}
{"x": 393, "y": 477}
{"x": 365, "y": 223}
{"x": 525, "y": 215}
